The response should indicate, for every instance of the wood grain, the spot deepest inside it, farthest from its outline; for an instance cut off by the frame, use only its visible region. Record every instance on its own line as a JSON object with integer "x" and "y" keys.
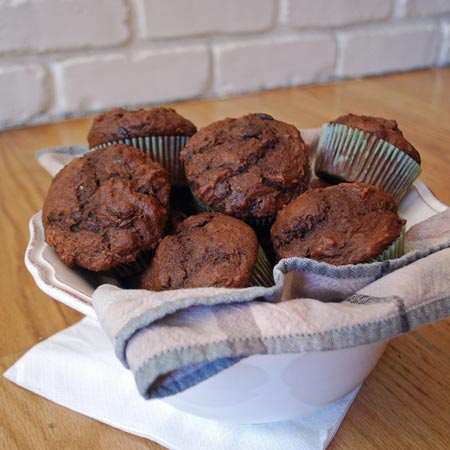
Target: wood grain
{"x": 405, "y": 402}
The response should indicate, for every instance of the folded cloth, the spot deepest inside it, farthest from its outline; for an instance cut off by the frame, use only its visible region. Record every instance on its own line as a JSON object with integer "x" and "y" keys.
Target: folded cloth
{"x": 76, "y": 368}
{"x": 173, "y": 340}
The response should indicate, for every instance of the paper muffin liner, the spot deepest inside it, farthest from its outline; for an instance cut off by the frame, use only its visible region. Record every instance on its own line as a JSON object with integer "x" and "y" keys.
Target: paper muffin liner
{"x": 259, "y": 223}
{"x": 358, "y": 156}
{"x": 165, "y": 150}
{"x": 138, "y": 266}
{"x": 394, "y": 250}
{"x": 262, "y": 273}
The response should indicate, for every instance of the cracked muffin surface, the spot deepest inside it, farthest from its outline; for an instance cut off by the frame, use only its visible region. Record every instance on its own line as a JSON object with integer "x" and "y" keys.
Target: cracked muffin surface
{"x": 348, "y": 223}
{"x": 207, "y": 250}
{"x": 106, "y": 208}
{"x": 120, "y": 123}
{"x": 247, "y": 167}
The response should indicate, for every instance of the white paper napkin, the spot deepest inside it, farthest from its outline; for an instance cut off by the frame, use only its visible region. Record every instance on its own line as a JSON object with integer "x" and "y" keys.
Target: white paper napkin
{"x": 77, "y": 368}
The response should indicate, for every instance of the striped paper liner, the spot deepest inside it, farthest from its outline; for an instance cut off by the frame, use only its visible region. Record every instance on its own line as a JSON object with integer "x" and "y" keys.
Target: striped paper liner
{"x": 394, "y": 250}
{"x": 358, "y": 156}
{"x": 138, "y": 266}
{"x": 164, "y": 150}
{"x": 262, "y": 273}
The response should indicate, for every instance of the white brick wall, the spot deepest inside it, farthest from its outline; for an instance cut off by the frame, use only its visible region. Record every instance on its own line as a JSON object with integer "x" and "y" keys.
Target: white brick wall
{"x": 263, "y": 64}
{"x": 174, "y": 18}
{"x": 62, "y": 57}
{"x": 333, "y": 13}
{"x": 22, "y": 92}
{"x": 147, "y": 76}
{"x": 42, "y": 25}
{"x": 444, "y": 57}
{"x": 424, "y": 8}
{"x": 386, "y": 49}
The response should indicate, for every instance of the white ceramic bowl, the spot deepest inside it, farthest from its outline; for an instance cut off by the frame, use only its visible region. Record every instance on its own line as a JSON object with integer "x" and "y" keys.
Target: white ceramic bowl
{"x": 258, "y": 389}
{"x": 270, "y": 388}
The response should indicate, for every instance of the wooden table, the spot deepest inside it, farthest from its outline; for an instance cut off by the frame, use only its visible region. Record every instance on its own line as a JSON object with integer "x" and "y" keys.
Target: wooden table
{"x": 405, "y": 402}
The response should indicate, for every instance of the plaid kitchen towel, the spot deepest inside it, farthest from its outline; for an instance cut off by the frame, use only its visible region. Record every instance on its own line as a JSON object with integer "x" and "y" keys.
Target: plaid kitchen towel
{"x": 173, "y": 340}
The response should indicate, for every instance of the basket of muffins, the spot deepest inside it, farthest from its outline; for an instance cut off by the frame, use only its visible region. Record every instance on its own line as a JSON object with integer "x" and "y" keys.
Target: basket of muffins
{"x": 158, "y": 202}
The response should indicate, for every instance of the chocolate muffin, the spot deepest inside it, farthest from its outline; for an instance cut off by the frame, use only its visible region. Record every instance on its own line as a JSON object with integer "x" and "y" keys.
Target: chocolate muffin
{"x": 247, "y": 167}
{"x": 123, "y": 124}
{"x": 348, "y": 223}
{"x": 207, "y": 250}
{"x": 159, "y": 131}
{"x": 369, "y": 150}
{"x": 385, "y": 129}
{"x": 106, "y": 209}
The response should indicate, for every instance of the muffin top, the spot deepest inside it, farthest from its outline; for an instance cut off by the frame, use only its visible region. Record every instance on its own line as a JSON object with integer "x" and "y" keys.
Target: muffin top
{"x": 348, "y": 223}
{"x": 383, "y": 129}
{"x": 208, "y": 249}
{"x": 121, "y": 124}
{"x": 247, "y": 167}
{"x": 105, "y": 208}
